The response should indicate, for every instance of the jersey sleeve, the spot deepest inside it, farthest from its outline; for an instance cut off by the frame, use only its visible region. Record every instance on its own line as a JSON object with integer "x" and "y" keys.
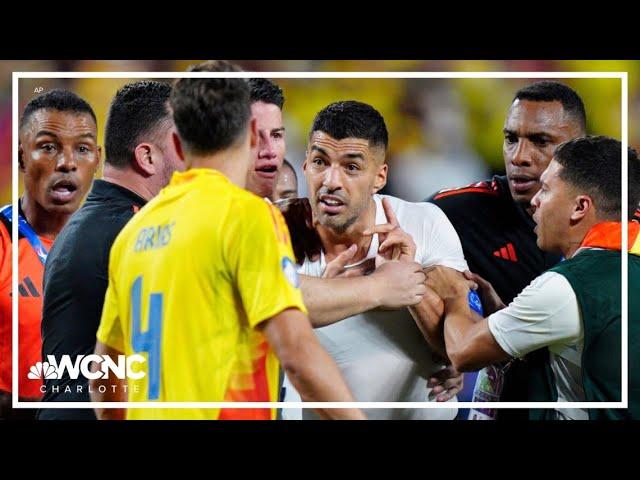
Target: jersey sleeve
{"x": 543, "y": 314}
{"x": 110, "y": 330}
{"x": 5, "y": 254}
{"x": 443, "y": 245}
{"x": 261, "y": 261}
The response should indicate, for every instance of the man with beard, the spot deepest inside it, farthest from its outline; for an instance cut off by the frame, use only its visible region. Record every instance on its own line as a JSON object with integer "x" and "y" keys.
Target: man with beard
{"x": 384, "y": 355}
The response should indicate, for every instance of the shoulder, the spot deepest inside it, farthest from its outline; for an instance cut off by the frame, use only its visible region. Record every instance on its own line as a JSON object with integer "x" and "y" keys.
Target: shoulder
{"x": 5, "y": 227}
{"x": 97, "y": 225}
{"x": 549, "y": 290}
{"x": 484, "y": 189}
{"x": 249, "y": 209}
{"x": 418, "y": 218}
{"x": 413, "y": 211}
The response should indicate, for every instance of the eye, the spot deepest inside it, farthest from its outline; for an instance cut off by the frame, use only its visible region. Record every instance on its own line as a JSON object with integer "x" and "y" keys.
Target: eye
{"x": 352, "y": 167}
{"x": 318, "y": 161}
{"x": 83, "y": 149}
{"x": 48, "y": 147}
{"x": 540, "y": 142}
{"x": 277, "y": 135}
{"x": 510, "y": 138}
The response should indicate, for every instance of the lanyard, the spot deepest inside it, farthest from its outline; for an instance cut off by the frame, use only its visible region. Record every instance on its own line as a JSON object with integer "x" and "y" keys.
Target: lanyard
{"x": 27, "y": 231}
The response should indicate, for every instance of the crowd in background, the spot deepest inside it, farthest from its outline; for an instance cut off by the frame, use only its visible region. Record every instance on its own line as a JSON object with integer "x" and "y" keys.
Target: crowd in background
{"x": 443, "y": 132}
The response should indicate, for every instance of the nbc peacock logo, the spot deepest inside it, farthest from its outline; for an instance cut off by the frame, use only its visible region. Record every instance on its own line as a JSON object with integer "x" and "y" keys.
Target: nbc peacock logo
{"x": 42, "y": 370}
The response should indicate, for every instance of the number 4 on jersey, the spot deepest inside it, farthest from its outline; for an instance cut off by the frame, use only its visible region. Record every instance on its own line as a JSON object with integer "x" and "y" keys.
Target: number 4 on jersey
{"x": 150, "y": 340}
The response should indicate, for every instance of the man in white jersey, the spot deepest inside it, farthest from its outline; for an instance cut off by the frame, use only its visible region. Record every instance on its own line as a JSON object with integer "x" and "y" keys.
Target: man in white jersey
{"x": 384, "y": 355}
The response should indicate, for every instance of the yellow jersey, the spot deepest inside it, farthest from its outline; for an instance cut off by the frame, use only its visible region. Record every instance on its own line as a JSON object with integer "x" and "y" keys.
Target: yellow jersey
{"x": 190, "y": 277}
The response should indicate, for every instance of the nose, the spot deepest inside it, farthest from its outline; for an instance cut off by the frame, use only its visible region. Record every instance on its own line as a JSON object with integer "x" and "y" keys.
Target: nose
{"x": 332, "y": 179}
{"x": 522, "y": 156}
{"x": 535, "y": 202}
{"x": 66, "y": 161}
{"x": 266, "y": 148}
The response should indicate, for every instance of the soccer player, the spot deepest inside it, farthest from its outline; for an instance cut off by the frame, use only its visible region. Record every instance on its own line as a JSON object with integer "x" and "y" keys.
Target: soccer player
{"x": 574, "y": 309}
{"x": 140, "y": 159}
{"x": 267, "y": 100}
{"x": 493, "y": 217}
{"x": 190, "y": 289}
{"x": 286, "y": 183}
{"x": 384, "y": 355}
{"x": 58, "y": 156}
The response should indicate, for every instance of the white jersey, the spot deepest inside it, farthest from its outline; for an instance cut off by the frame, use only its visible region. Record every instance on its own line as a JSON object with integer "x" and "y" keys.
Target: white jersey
{"x": 546, "y": 313}
{"x": 382, "y": 354}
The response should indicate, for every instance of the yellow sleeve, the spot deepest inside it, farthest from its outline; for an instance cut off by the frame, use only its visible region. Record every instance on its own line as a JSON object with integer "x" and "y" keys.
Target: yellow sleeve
{"x": 110, "y": 329}
{"x": 261, "y": 261}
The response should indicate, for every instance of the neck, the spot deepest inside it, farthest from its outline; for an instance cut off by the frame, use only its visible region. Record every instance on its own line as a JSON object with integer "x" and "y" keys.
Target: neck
{"x": 231, "y": 162}
{"x": 129, "y": 179}
{"x": 335, "y": 242}
{"x": 45, "y": 224}
{"x": 575, "y": 238}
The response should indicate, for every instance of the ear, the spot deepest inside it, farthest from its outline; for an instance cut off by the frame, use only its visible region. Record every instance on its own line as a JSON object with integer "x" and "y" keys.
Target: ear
{"x": 253, "y": 132}
{"x": 381, "y": 178}
{"x": 21, "y": 157}
{"x": 582, "y": 207}
{"x": 144, "y": 159}
{"x": 99, "y": 162}
{"x": 177, "y": 145}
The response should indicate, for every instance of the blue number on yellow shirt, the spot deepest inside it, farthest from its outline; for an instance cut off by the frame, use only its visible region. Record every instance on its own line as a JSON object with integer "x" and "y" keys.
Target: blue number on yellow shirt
{"x": 148, "y": 341}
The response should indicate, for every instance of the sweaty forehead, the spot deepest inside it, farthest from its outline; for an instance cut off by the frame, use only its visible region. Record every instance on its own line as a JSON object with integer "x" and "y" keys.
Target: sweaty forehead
{"x": 339, "y": 147}
{"x": 267, "y": 115}
{"x": 63, "y": 124}
{"x": 529, "y": 117}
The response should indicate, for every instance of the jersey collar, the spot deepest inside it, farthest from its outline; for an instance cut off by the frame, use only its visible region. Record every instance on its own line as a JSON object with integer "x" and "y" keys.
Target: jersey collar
{"x": 608, "y": 235}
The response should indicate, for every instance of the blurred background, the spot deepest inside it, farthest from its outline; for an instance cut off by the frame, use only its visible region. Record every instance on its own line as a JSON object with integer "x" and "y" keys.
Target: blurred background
{"x": 443, "y": 132}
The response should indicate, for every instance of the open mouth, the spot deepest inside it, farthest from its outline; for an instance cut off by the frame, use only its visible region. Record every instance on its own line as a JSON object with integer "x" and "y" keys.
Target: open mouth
{"x": 268, "y": 171}
{"x": 331, "y": 204}
{"x": 63, "y": 191}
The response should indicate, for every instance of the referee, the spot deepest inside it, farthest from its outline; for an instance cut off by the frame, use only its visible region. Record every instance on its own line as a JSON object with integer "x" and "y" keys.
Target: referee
{"x": 140, "y": 159}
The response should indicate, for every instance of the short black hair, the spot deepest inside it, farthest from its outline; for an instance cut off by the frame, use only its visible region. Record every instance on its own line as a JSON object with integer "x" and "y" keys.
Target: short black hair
{"x": 61, "y": 100}
{"x": 549, "y": 91}
{"x": 211, "y": 114}
{"x": 593, "y": 164}
{"x": 137, "y": 109}
{"x": 214, "y": 66}
{"x": 287, "y": 163}
{"x": 351, "y": 118}
{"x": 264, "y": 90}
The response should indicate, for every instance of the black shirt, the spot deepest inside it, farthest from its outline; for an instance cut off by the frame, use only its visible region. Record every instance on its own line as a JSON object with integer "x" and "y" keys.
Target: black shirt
{"x": 75, "y": 283}
{"x": 500, "y": 245}
{"x": 496, "y": 234}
